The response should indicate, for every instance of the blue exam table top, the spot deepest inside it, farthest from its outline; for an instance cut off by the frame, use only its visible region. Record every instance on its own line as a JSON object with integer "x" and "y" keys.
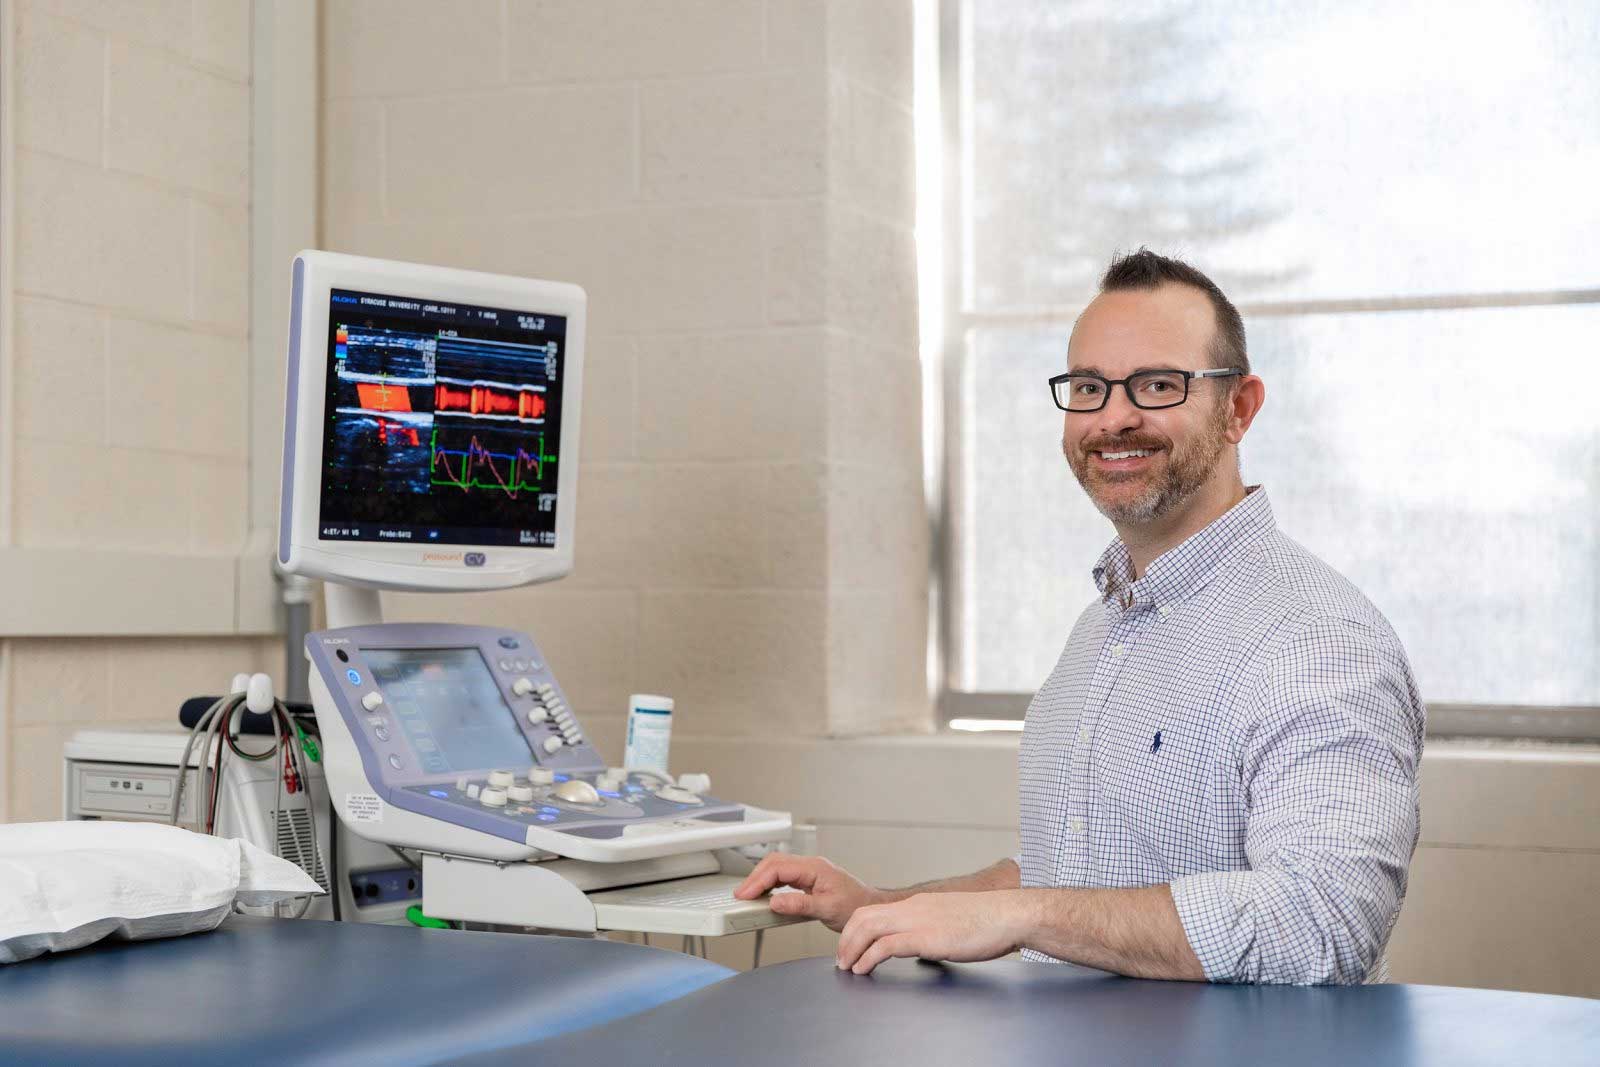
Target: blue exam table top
{"x": 1009, "y": 1011}
{"x": 295, "y": 991}
{"x": 284, "y": 991}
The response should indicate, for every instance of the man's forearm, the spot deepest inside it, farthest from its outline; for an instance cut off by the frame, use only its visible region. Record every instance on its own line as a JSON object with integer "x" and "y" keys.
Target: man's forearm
{"x": 1135, "y": 932}
{"x": 1002, "y": 875}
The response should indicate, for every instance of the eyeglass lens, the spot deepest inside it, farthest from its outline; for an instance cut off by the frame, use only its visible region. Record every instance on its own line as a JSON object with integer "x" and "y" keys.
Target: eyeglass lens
{"x": 1149, "y": 389}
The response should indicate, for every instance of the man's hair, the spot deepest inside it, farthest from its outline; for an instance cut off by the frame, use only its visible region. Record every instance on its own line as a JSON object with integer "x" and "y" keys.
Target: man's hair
{"x": 1145, "y": 269}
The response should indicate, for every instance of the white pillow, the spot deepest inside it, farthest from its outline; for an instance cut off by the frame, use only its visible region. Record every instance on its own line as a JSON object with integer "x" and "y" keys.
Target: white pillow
{"x": 64, "y": 885}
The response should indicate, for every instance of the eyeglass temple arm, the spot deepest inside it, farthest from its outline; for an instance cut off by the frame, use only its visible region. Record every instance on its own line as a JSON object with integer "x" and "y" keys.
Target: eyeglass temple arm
{"x": 1218, "y": 372}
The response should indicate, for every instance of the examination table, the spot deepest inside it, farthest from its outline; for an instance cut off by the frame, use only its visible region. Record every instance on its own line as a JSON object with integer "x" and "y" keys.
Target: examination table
{"x": 281, "y": 991}
{"x": 1042, "y": 1015}
{"x": 290, "y": 992}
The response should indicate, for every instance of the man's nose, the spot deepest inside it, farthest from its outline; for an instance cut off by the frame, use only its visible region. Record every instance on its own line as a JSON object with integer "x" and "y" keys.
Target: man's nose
{"x": 1119, "y": 416}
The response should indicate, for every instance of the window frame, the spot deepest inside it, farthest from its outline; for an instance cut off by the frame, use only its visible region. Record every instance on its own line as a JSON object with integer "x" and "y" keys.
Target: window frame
{"x": 978, "y": 710}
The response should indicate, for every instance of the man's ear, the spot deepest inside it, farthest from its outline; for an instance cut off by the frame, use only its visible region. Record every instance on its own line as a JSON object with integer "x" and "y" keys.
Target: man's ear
{"x": 1245, "y": 400}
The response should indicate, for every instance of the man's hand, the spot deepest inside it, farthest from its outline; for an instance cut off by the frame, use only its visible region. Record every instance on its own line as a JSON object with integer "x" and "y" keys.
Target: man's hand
{"x": 962, "y": 927}
{"x": 829, "y": 895}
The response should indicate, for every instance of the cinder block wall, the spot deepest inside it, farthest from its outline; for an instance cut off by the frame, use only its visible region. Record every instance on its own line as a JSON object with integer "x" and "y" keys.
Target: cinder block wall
{"x": 130, "y": 298}
{"x": 732, "y": 181}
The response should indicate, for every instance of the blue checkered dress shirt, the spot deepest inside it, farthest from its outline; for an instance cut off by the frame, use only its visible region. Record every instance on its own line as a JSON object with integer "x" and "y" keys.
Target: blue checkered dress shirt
{"x": 1239, "y": 722}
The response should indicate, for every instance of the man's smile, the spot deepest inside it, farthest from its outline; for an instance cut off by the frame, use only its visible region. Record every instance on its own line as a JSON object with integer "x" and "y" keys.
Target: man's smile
{"x": 1125, "y": 460}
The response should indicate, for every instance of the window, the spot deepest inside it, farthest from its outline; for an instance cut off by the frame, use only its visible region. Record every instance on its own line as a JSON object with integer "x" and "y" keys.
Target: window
{"x": 1400, "y": 198}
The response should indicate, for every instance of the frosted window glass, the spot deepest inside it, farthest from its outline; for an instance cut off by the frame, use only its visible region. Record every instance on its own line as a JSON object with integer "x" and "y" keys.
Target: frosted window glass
{"x": 1294, "y": 150}
{"x": 1447, "y": 462}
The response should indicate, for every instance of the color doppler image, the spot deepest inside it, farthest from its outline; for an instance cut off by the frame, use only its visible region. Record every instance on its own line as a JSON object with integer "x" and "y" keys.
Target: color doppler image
{"x": 442, "y": 428}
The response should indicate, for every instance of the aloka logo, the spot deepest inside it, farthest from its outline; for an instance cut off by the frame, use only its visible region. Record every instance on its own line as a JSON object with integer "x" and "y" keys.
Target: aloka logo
{"x": 441, "y": 557}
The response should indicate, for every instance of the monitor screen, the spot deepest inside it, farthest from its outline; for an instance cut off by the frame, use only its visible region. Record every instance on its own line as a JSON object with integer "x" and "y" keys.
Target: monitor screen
{"x": 443, "y": 422}
{"x": 449, "y": 707}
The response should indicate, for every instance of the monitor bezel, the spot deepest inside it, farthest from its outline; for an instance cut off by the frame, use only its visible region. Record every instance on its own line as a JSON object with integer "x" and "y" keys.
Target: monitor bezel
{"x": 410, "y": 565}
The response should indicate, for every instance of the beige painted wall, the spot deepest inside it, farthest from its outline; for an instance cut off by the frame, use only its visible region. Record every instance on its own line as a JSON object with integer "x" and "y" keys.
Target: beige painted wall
{"x": 129, "y": 301}
{"x": 732, "y": 181}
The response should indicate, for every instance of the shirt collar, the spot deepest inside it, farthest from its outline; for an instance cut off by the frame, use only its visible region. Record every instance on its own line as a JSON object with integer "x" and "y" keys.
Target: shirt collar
{"x": 1180, "y": 571}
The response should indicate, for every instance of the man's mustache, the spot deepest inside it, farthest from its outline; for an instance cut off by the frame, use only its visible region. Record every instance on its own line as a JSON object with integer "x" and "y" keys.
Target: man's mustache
{"x": 1115, "y": 444}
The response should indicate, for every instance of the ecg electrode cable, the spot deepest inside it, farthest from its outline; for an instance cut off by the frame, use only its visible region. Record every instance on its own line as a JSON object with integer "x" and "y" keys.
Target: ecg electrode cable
{"x": 214, "y": 726}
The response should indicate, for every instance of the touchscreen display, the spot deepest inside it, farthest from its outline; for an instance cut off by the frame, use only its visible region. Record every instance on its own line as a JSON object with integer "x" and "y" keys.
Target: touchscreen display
{"x": 443, "y": 422}
{"x": 446, "y": 702}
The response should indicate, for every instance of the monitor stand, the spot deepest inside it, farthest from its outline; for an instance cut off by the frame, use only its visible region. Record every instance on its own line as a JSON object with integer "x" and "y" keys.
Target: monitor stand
{"x": 348, "y": 605}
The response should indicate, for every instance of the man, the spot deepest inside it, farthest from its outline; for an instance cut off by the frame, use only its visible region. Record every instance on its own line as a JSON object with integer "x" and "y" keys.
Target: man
{"x": 1219, "y": 778}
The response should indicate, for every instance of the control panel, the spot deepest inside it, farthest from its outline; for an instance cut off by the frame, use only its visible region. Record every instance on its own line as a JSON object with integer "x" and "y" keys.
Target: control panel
{"x": 464, "y": 728}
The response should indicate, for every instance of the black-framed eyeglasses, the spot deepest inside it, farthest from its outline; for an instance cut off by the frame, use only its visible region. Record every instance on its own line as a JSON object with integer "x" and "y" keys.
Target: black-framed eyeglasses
{"x": 1149, "y": 389}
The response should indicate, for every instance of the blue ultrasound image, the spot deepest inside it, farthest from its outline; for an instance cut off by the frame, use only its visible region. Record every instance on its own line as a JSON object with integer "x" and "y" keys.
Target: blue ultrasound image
{"x": 382, "y": 413}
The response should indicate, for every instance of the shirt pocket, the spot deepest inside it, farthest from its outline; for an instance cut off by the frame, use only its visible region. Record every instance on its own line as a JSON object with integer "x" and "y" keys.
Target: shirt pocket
{"x": 1170, "y": 778}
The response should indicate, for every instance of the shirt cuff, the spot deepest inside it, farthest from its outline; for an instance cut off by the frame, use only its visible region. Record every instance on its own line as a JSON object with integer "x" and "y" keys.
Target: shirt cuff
{"x": 1214, "y": 913}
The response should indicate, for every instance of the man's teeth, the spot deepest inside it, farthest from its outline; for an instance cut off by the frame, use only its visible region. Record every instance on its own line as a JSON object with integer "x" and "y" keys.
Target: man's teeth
{"x": 1125, "y": 455}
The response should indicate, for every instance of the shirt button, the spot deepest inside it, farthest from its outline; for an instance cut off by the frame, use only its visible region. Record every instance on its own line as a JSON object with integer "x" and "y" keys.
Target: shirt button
{"x": 1076, "y": 825}
{"x": 1117, "y": 650}
{"x": 1083, "y": 735}
{"x": 1164, "y": 611}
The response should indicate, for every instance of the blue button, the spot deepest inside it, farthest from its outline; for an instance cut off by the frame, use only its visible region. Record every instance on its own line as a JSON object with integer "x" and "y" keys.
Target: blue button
{"x": 635, "y": 788}
{"x": 547, "y": 818}
{"x": 354, "y": 676}
{"x": 551, "y": 811}
{"x": 438, "y": 793}
{"x": 608, "y": 793}
{"x": 562, "y": 777}
{"x": 508, "y": 642}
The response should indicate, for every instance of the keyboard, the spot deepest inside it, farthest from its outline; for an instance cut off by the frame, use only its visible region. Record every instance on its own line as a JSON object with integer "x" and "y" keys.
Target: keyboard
{"x": 701, "y": 907}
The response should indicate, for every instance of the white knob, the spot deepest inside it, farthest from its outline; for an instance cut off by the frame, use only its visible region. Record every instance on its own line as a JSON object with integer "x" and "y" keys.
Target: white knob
{"x": 679, "y": 796}
{"x": 541, "y": 775}
{"x": 472, "y": 790}
{"x": 551, "y": 744}
{"x": 500, "y": 779}
{"x": 695, "y": 783}
{"x": 610, "y": 781}
{"x": 522, "y": 687}
{"x": 372, "y": 700}
{"x": 492, "y": 798}
{"x": 520, "y": 793}
{"x": 537, "y": 715}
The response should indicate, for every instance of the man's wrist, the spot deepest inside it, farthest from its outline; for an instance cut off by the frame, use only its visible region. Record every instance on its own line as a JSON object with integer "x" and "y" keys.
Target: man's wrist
{"x": 1022, "y": 913}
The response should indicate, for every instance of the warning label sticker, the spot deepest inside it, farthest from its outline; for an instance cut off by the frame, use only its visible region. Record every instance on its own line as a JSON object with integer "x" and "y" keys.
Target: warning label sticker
{"x": 363, "y": 807}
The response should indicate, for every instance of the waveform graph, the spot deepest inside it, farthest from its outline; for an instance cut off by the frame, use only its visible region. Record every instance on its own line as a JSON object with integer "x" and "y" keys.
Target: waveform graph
{"x": 472, "y": 457}
{"x": 523, "y": 403}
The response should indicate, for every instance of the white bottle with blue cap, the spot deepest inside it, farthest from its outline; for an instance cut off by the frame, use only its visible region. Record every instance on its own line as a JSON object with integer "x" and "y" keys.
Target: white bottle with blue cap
{"x": 649, "y": 733}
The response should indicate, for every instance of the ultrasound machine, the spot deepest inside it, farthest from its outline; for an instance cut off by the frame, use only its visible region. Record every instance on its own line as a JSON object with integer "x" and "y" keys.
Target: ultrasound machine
{"x": 431, "y": 444}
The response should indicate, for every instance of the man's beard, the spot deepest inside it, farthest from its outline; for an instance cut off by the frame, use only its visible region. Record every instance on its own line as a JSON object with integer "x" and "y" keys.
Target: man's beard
{"x": 1185, "y": 471}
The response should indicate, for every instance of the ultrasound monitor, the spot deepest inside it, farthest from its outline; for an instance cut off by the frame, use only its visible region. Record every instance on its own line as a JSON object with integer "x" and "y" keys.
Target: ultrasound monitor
{"x": 431, "y": 425}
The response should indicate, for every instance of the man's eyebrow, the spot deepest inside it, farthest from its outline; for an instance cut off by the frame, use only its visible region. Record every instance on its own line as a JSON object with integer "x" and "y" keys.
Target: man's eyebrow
{"x": 1137, "y": 370}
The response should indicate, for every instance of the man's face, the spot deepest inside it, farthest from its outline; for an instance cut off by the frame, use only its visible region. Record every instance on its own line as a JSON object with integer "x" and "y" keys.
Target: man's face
{"x": 1122, "y": 332}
